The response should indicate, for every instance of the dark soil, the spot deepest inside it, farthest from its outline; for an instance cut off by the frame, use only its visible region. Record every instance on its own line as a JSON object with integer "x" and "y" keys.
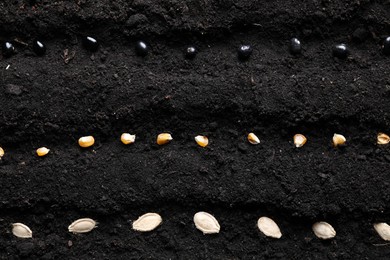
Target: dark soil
{"x": 45, "y": 102}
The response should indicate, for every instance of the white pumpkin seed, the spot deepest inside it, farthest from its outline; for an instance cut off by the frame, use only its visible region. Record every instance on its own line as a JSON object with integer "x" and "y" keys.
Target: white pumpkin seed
{"x": 82, "y": 225}
{"x": 383, "y": 230}
{"x": 206, "y": 223}
{"x": 268, "y": 227}
{"x": 324, "y": 230}
{"x": 21, "y": 230}
{"x": 147, "y": 222}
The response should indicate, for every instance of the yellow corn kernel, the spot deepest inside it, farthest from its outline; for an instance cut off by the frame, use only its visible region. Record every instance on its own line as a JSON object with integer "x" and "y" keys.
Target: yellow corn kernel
{"x": 338, "y": 140}
{"x": 42, "y": 151}
{"x": 299, "y": 140}
{"x": 253, "y": 139}
{"x": 164, "y": 138}
{"x": 1, "y": 152}
{"x": 383, "y": 138}
{"x": 86, "y": 141}
{"x": 127, "y": 138}
{"x": 202, "y": 140}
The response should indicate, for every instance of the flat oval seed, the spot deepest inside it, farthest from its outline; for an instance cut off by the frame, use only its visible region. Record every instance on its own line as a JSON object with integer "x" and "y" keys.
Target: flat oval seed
{"x": 86, "y": 141}
{"x": 299, "y": 140}
{"x": 21, "y": 230}
{"x": 127, "y": 138}
{"x": 42, "y": 151}
{"x": 1, "y": 152}
{"x": 268, "y": 227}
{"x": 338, "y": 140}
{"x": 206, "y": 223}
{"x": 383, "y": 230}
{"x": 164, "y": 138}
{"x": 253, "y": 139}
{"x": 147, "y": 222}
{"x": 202, "y": 140}
{"x": 324, "y": 230}
{"x": 383, "y": 138}
{"x": 82, "y": 225}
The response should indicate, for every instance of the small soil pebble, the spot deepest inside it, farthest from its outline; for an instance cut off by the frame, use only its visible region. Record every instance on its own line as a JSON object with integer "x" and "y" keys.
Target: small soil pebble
{"x": 141, "y": 48}
{"x": 244, "y": 52}
{"x": 295, "y": 46}
{"x": 386, "y": 46}
{"x": 8, "y": 49}
{"x": 39, "y": 48}
{"x": 190, "y": 52}
{"x": 340, "y": 51}
{"x": 90, "y": 43}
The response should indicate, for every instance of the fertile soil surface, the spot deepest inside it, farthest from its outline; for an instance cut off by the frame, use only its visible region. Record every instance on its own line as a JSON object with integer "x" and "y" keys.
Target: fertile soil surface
{"x": 47, "y": 102}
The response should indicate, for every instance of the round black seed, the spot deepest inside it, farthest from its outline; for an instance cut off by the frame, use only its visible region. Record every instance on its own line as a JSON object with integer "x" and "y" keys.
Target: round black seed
{"x": 340, "y": 51}
{"x": 141, "y": 48}
{"x": 386, "y": 46}
{"x": 39, "y": 48}
{"x": 190, "y": 52}
{"x": 295, "y": 46}
{"x": 8, "y": 49}
{"x": 90, "y": 43}
{"x": 244, "y": 52}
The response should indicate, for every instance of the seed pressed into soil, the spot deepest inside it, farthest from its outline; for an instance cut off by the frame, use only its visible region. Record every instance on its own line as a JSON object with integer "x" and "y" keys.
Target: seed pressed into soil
{"x": 39, "y": 47}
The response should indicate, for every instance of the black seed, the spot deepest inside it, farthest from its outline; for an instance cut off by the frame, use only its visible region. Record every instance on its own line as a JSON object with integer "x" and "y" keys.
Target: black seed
{"x": 8, "y": 49}
{"x": 295, "y": 46}
{"x": 39, "y": 48}
{"x": 386, "y": 46}
{"x": 190, "y": 52}
{"x": 90, "y": 44}
{"x": 141, "y": 48}
{"x": 244, "y": 52}
{"x": 340, "y": 51}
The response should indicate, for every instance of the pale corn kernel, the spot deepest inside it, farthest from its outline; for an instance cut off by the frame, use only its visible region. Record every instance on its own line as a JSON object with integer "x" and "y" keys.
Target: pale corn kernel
{"x": 338, "y": 140}
{"x": 127, "y": 138}
{"x": 202, "y": 140}
{"x": 253, "y": 139}
{"x": 383, "y": 138}
{"x": 86, "y": 141}
{"x": 164, "y": 138}
{"x": 299, "y": 140}
{"x": 42, "y": 151}
{"x": 1, "y": 152}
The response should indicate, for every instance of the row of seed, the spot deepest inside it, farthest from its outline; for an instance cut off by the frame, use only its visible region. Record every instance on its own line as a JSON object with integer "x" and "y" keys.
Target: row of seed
{"x": 340, "y": 51}
{"x": 203, "y": 141}
{"x": 203, "y": 221}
